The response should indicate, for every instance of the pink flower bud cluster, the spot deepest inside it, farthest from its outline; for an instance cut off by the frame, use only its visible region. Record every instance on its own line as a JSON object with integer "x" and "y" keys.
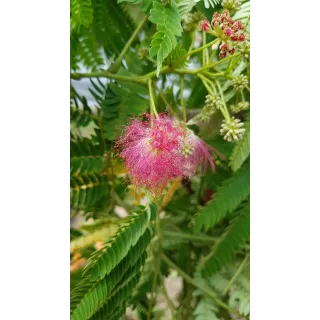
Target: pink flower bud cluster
{"x": 226, "y": 29}
{"x": 157, "y": 151}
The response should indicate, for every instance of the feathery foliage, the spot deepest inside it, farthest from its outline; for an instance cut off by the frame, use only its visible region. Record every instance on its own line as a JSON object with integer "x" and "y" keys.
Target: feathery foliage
{"x": 88, "y": 191}
{"x": 118, "y": 105}
{"x": 168, "y": 23}
{"x": 222, "y": 253}
{"x": 177, "y": 58}
{"x": 145, "y": 3}
{"x": 81, "y": 12}
{"x": 241, "y": 150}
{"x": 85, "y": 157}
{"x": 228, "y": 197}
{"x": 113, "y": 271}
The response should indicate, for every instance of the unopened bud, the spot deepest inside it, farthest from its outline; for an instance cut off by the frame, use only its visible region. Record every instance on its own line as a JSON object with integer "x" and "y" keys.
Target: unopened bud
{"x": 239, "y": 82}
{"x": 232, "y": 129}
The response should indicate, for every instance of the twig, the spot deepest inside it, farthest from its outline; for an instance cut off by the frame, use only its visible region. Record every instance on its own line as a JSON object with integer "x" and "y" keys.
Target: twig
{"x": 191, "y": 237}
{"x": 183, "y": 107}
{"x": 116, "y": 66}
{"x": 242, "y": 265}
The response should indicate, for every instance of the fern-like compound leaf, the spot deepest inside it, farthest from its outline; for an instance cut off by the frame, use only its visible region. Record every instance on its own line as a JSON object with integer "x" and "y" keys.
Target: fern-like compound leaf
{"x": 113, "y": 251}
{"x": 113, "y": 271}
{"x": 118, "y": 105}
{"x": 223, "y": 251}
{"x": 205, "y": 310}
{"x": 88, "y": 191}
{"x": 85, "y": 157}
{"x": 185, "y": 6}
{"x": 81, "y": 12}
{"x": 228, "y": 197}
{"x": 177, "y": 58}
{"x": 95, "y": 298}
{"x": 241, "y": 150}
{"x": 169, "y": 26}
{"x": 145, "y": 3}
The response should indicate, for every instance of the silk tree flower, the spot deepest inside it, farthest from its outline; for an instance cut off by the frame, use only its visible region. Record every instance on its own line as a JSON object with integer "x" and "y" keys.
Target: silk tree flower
{"x": 157, "y": 151}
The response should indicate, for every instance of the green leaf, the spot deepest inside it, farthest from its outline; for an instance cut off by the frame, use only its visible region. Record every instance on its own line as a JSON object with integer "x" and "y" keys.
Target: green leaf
{"x": 145, "y": 3}
{"x": 85, "y": 156}
{"x": 228, "y": 197}
{"x": 81, "y": 12}
{"x": 241, "y": 150}
{"x": 168, "y": 23}
{"x": 117, "y": 302}
{"x": 84, "y": 306}
{"x": 205, "y": 310}
{"x": 89, "y": 191}
{"x": 177, "y": 58}
{"x": 223, "y": 251}
{"x": 113, "y": 271}
{"x": 185, "y": 6}
{"x": 118, "y": 105}
{"x": 118, "y": 246}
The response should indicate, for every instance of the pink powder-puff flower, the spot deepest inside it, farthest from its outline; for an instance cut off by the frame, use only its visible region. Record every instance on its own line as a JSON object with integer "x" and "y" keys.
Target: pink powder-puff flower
{"x": 157, "y": 151}
{"x": 196, "y": 153}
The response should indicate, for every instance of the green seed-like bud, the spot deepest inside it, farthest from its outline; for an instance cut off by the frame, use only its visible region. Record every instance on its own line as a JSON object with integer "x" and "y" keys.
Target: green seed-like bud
{"x": 232, "y": 129}
{"x": 187, "y": 150}
{"x": 244, "y": 49}
{"x": 244, "y": 105}
{"x": 192, "y": 21}
{"x": 231, "y": 4}
{"x": 239, "y": 82}
{"x": 212, "y": 104}
{"x": 143, "y": 52}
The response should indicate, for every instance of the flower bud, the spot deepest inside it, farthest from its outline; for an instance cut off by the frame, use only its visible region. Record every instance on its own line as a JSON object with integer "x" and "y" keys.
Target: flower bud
{"x": 231, "y": 4}
{"x": 244, "y": 105}
{"x": 232, "y": 129}
{"x": 204, "y": 25}
{"x": 239, "y": 82}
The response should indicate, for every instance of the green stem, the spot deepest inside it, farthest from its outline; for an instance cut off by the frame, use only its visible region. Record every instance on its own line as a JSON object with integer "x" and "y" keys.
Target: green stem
{"x": 247, "y": 88}
{"x": 242, "y": 96}
{"x": 166, "y": 101}
{"x": 151, "y": 301}
{"x": 116, "y": 66}
{"x": 187, "y": 236}
{"x": 213, "y": 75}
{"x": 205, "y": 82}
{"x": 152, "y": 74}
{"x": 204, "y": 56}
{"x": 226, "y": 114}
{"x": 211, "y": 65}
{"x": 106, "y": 74}
{"x": 193, "y": 38}
{"x": 206, "y": 290}
{"x": 185, "y": 71}
{"x": 200, "y": 48}
{"x": 241, "y": 267}
{"x": 152, "y": 105}
{"x": 183, "y": 107}
{"x": 151, "y": 60}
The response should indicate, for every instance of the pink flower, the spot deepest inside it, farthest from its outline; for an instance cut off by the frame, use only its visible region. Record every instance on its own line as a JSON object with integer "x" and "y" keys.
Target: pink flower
{"x": 155, "y": 154}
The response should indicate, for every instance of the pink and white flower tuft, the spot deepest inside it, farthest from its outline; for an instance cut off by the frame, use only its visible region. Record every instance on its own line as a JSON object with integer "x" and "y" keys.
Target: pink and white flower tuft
{"x": 155, "y": 154}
